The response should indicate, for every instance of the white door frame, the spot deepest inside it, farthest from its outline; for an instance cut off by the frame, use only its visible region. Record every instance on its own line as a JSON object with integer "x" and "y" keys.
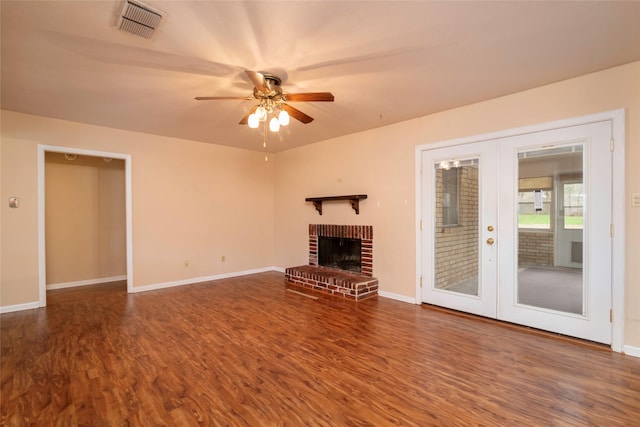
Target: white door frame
{"x": 484, "y": 302}
{"x": 42, "y": 261}
{"x": 617, "y": 119}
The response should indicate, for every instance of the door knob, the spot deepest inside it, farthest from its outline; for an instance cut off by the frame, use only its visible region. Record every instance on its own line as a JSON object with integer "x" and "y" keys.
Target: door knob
{"x": 490, "y": 241}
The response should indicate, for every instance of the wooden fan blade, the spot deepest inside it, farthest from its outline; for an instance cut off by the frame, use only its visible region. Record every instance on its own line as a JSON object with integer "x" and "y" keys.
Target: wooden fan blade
{"x": 297, "y": 114}
{"x": 208, "y": 98}
{"x": 257, "y": 79}
{"x": 310, "y": 97}
{"x": 245, "y": 119}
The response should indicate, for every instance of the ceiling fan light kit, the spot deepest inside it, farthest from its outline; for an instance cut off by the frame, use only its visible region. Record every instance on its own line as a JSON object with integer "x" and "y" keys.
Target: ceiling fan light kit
{"x": 283, "y": 118}
{"x": 272, "y": 104}
{"x": 274, "y": 124}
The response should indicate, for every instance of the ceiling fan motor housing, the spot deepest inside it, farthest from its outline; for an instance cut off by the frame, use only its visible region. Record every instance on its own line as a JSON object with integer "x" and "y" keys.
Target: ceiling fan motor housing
{"x": 272, "y": 88}
{"x": 271, "y": 79}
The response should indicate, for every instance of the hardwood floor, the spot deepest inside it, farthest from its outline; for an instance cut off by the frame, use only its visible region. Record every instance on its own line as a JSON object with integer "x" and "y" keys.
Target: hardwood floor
{"x": 246, "y": 352}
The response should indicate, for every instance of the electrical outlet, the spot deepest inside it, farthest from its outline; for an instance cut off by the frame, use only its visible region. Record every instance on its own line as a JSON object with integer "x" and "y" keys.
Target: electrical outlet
{"x": 186, "y": 263}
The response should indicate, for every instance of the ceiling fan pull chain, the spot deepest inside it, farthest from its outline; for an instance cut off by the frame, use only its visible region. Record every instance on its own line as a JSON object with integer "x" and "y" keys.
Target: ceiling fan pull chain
{"x": 264, "y": 140}
{"x": 264, "y": 134}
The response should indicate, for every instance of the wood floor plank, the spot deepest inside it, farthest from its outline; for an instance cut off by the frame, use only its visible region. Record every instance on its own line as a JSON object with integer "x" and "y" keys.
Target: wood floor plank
{"x": 245, "y": 352}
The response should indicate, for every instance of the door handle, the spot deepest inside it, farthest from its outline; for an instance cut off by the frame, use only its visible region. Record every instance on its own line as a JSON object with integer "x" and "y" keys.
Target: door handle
{"x": 490, "y": 241}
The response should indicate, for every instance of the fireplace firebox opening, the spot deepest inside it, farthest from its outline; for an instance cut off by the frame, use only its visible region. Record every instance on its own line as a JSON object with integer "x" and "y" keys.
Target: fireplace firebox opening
{"x": 363, "y": 233}
{"x": 339, "y": 252}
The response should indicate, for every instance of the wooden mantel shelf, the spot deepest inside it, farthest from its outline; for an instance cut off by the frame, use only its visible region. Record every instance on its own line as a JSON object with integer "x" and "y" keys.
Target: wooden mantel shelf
{"x": 354, "y": 199}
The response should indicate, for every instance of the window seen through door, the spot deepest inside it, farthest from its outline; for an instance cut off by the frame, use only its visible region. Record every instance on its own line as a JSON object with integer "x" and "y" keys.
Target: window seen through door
{"x": 534, "y": 202}
{"x": 573, "y": 194}
{"x": 450, "y": 197}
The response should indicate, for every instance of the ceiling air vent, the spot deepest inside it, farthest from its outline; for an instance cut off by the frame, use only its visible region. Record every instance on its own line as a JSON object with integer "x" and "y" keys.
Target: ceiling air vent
{"x": 139, "y": 19}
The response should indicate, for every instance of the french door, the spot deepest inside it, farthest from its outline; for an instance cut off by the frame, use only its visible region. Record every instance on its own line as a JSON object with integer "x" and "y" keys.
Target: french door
{"x": 518, "y": 229}
{"x": 459, "y": 218}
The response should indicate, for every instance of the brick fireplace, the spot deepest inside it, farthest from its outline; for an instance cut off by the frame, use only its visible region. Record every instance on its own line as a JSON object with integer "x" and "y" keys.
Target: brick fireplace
{"x": 334, "y": 281}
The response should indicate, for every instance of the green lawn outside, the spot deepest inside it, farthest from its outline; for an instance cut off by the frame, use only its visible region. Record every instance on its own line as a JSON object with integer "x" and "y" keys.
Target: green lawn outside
{"x": 533, "y": 219}
{"x": 542, "y": 221}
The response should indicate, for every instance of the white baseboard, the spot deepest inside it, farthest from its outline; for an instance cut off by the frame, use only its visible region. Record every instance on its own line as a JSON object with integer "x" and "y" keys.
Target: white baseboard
{"x": 85, "y": 282}
{"x": 396, "y": 297}
{"x": 195, "y": 280}
{"x": 631, "y": 351}
{"x": 19, "y": 307}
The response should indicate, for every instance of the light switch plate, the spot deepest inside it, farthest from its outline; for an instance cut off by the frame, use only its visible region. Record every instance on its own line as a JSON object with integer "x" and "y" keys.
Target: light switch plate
{"x": 635, "y": 200}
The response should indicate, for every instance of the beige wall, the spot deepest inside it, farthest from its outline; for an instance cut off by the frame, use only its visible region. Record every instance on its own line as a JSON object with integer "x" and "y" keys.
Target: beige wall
{"x": 85, "y": 218}
{"x": 191, "y": 201}
{"x": 19, "y": 251}
{"x": 381, "y": 164}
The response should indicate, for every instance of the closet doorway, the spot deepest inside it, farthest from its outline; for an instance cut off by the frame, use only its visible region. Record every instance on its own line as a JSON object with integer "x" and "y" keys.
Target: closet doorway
{"x": 84, "y": 218}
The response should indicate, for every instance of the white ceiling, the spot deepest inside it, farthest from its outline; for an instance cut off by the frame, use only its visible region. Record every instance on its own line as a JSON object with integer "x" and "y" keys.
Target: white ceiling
{"x": 385, "y": 61}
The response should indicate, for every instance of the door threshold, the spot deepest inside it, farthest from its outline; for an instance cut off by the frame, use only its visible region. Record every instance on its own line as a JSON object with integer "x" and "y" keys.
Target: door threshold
{"x": 522, "y": 328}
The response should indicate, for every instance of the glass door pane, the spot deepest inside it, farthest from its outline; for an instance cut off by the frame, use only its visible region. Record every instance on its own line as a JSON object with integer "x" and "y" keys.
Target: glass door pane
{"x": 555, "y": 250}
{"x": 550, "y": 195}
{"x": 459, "y": 250}
{"x": 456, "y": 226}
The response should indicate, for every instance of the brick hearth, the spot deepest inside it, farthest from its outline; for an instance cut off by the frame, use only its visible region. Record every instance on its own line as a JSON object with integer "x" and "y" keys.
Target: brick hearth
{"x": 332, "y": 281}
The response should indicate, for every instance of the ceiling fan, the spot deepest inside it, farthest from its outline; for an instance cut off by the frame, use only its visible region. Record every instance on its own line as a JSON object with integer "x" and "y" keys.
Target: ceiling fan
{"x": 273, "y": 101}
